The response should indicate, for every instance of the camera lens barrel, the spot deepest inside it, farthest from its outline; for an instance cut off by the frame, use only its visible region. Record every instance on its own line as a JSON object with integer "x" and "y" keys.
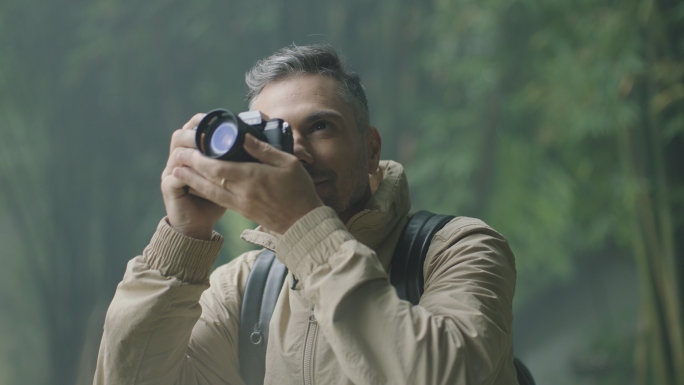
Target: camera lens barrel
{"x": 221, "y": 134}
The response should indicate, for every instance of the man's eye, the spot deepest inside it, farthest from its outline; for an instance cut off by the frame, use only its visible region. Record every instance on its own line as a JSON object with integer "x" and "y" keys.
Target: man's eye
{"x": 321, "y": 126}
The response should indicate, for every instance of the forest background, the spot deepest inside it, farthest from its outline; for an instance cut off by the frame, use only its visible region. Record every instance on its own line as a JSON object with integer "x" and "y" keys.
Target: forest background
{"x": 560, "y": 123}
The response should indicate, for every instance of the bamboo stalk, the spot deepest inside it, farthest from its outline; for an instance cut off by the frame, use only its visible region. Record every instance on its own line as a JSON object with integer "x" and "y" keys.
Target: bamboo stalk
{"x": 650, "y": 338}
{"x": 660, "y": 213}
{"x": 672, "y": 303}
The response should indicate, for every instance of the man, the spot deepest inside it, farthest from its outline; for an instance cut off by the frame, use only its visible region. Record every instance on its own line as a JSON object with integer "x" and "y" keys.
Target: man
{"x": 333, "y": 214}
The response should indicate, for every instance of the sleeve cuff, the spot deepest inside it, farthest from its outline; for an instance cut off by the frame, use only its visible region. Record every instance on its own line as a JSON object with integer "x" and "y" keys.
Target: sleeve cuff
{"x": 177, "y": 255}
{"x": 311, "y": 241}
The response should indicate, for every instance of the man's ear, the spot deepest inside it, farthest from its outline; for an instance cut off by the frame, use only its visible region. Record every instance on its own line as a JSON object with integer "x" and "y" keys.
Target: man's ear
{"x": 374, "y": 143}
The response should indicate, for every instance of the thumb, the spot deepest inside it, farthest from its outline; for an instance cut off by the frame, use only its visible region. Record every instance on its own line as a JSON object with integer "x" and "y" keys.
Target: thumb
{"x": 264, "y": 152}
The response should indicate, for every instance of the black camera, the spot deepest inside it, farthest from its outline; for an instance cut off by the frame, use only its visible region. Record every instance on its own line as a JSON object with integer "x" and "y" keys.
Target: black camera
{"x": 221, "y": 134}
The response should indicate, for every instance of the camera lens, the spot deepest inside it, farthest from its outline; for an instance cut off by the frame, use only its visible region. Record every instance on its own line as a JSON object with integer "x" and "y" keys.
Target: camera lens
{"x": 223, "y": 138}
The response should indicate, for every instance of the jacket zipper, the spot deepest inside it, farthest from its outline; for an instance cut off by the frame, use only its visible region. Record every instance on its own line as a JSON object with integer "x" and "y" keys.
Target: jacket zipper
{"x": 311, "y": 332}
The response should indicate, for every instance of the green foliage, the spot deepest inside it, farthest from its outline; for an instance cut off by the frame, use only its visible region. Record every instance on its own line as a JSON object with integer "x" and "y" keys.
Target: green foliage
{"x": 524, "y": 129}
{"x": 554, "y": 122}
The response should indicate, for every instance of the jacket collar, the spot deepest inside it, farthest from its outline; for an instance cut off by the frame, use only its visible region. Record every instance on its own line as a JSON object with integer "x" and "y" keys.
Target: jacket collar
{"x": 387, "y": 206}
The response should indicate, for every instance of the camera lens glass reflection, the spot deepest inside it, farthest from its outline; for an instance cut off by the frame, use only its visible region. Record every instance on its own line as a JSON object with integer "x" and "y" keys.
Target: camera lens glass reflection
{"x": 223, "y": 138}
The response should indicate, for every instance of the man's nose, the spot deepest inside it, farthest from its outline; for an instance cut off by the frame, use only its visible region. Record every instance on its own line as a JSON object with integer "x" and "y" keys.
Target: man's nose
{"x": 301, "y": 149}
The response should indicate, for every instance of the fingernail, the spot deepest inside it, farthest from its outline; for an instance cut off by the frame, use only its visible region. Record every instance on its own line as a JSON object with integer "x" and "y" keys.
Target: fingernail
{"x": 250, "y": 140}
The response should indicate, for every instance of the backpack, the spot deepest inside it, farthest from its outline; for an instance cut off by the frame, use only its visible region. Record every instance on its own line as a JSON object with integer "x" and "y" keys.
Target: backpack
{"x": 268, "y": 275}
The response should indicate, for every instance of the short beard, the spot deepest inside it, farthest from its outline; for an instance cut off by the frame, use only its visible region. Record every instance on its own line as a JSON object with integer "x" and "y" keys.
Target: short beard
{"x": 343, "y": 198}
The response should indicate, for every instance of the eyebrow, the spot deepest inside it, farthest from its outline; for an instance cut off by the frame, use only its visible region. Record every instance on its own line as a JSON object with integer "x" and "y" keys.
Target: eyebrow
{"x": 322, "y": 115}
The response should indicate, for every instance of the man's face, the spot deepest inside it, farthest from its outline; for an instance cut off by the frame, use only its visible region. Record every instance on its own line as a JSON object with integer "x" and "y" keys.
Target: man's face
{"x": 327, "y": 139}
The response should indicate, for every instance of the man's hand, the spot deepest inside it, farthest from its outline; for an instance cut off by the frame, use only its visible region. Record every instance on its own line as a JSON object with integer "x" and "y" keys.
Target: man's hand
{"x": 187, "y": 213}
{"x": 274, "y": 193}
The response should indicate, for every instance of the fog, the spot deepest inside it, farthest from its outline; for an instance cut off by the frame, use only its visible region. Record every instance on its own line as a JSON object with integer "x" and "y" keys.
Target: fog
{"x": 560, "y": 124}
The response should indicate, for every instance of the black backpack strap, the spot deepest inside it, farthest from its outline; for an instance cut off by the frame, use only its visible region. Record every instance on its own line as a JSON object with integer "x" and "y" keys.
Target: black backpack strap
{"x": 409, "y": 256}
{"x": 524, "y": 374}
{"x": 408, "y": 261}
{"x": 261, "y": 294}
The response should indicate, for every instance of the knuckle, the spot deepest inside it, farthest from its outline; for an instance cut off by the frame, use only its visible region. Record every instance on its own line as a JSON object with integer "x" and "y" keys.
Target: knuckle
{"x": 195, "y": 156}
{"x": 193, "y": 121}
{"x": 176, "y": 135}
{"x": 292, "y": 160}
{"x": 291, "y": 163}
{"x": 176, "y": 151}
{"x": 164, "y": 183}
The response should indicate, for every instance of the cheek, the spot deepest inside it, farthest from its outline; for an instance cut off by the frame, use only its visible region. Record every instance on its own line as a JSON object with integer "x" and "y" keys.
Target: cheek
{"x": 332, "y": 155}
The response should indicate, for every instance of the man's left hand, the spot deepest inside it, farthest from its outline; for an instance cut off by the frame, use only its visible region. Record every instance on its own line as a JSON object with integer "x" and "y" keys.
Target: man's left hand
{"x": 274, "y": 193}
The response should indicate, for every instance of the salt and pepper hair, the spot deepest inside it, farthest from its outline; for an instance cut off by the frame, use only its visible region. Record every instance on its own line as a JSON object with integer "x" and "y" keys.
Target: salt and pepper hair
{"x": 318, "y": 59}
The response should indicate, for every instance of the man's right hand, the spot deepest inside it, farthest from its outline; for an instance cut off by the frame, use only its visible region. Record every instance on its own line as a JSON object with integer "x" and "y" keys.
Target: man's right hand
{"x": 187, "y": 213}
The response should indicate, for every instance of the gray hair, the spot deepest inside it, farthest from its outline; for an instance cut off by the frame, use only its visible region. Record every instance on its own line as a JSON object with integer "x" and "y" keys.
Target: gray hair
{"x": 317, "y": 59}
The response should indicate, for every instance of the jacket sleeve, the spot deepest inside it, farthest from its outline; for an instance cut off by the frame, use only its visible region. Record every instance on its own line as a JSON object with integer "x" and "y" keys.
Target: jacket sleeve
{"x": 460, "y": 333}
{"x": 163, "y": 325}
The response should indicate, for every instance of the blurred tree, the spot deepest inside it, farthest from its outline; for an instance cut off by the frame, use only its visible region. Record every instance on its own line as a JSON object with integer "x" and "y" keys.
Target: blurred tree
{"x": 561, "y": 124}
{"x": 655, "y": 201}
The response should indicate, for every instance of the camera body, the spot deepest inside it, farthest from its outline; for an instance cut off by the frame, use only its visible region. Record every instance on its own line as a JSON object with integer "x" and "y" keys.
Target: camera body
{"x": 221, "y": 134}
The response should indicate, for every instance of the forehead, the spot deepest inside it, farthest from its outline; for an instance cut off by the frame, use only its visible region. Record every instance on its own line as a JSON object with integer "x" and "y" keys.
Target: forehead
{"x": 296, "y": 97}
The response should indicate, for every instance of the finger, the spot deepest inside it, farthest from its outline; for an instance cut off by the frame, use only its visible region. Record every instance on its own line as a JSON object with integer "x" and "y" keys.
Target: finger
{"x": 194, "y": 192}
{"x": 182, "y": 138}
{"x": 193, "y": 122}
{"x": 178, "y": 188}
{"x": 174, "y": 187}
{"x": 180, "y": 143}
{"x": 265, "y": 153}
{"x": 205, "y": 188}
{"x": 213, "y": 169}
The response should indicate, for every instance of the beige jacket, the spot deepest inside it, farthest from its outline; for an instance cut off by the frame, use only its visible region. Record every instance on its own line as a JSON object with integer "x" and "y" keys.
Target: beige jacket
{"x": 343, "y": 324}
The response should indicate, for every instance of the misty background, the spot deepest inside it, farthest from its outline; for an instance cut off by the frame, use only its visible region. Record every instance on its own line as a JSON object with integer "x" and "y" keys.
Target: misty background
{"x": 560, "y": 123}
